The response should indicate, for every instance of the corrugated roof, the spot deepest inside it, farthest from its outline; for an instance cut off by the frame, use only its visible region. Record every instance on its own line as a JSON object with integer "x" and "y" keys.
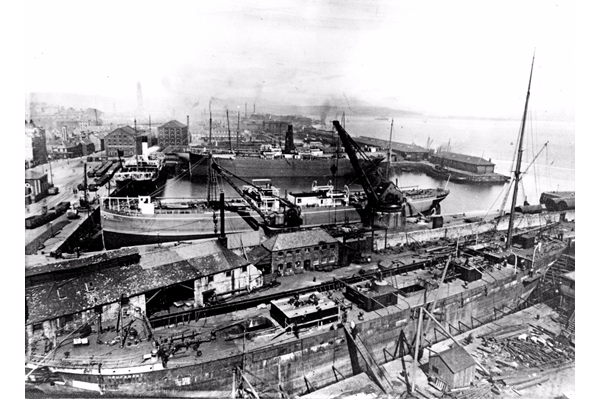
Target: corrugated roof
{"x": 158, "y": 267}
{"x": 173, "y": 124}
{"x": 293, "y": 240}
{"x": 463, "y": 158}
{"x": 456, "y": 358}
{"x": 397, "y": 146}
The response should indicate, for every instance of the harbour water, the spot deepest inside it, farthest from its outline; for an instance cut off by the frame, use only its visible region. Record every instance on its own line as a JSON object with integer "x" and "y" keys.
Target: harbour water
{"x": 554, "y": 169}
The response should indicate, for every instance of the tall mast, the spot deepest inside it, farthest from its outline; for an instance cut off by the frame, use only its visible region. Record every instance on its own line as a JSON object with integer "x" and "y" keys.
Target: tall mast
{"x": 518, "y": 166}
{"x": 209, "y": 126}
{"x": 228, "y": 131}
{"x": 238, "y": 133}
{"x": 387, "y": 173}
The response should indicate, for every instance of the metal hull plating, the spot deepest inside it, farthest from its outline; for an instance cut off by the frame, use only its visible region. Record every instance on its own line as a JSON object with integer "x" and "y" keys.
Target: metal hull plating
{"x": 254, "y": 167}
{"x": 289, "y": 363}
{"x": 127, "y": 229}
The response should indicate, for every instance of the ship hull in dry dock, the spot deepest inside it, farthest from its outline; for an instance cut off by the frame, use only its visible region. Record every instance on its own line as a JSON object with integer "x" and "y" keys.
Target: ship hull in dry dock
{"x": 290, "y": 363}
{"x": 254, "y": 167}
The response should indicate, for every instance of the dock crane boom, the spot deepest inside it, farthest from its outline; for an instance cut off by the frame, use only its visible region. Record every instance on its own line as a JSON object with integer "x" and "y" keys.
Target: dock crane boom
{"x": 382, "y": 195}
{"x": 291, "y": 214}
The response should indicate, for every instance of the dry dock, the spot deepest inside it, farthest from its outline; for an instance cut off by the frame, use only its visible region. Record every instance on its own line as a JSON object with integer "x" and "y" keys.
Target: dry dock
{"x": 511, "y": 378}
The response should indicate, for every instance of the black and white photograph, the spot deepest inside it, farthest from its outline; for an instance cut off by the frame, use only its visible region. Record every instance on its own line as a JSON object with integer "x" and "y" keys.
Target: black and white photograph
{"x": 299, "y": 199}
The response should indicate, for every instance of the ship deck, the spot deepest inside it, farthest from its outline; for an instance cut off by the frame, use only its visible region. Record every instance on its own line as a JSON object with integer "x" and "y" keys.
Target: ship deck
{"x": 131, "y": 356}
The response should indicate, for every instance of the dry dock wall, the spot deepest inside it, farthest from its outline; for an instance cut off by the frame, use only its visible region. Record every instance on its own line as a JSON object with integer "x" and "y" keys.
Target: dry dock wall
{"x": 522, "y": 221}
{"x": 324, "y": 357}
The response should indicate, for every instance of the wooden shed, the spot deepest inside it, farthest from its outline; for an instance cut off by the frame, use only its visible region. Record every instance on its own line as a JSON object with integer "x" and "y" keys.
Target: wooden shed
{"x": 454, "y": 367}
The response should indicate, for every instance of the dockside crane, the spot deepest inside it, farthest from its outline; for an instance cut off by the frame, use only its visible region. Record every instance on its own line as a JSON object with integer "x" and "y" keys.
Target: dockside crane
{"x": 382, "y": 195}
{"x": 290, "y": 217}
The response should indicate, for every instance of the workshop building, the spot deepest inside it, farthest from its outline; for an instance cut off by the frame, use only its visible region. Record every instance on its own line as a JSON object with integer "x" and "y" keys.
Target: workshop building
{"x": 296, "y": 252}
{"x": 454, "y": 367}
{"x": 149, "y": 280}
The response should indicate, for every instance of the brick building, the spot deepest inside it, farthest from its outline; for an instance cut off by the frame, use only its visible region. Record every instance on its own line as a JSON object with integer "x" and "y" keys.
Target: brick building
{"x": 296, "y": 252}
{"x": 125, "y": 139}
{"x": 173, "y": 133}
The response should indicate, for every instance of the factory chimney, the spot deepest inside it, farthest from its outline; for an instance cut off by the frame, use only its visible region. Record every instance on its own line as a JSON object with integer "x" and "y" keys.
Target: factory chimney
{"x": 289, "y": 140}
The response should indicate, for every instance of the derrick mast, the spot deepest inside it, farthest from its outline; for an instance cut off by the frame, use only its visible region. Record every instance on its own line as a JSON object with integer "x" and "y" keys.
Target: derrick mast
{"x": 382, "y": 195}
{"x": 289, "y": 217}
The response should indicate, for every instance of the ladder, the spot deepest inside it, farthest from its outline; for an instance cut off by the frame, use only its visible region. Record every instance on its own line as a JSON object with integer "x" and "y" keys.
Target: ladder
{"x": 377, "y": 373}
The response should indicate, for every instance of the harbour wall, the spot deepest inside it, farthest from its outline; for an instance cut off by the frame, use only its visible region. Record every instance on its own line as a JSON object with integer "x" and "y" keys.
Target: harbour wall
{"x": 522, "y": 221}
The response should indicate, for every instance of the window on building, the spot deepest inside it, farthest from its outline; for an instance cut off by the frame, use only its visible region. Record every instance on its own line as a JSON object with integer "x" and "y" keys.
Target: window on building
{"x": 61, "y": 294}
{"x": 298, "y": 251}
{"x": 324, "y": 247}
{"x": 228, "y": 274}
{"x": 324, "y": 260}
{"x": 332, "y": 259}
{"x": 316, "y": 261}
{"x": 244, "y": 269}
{"x": 332, "y": 246}
{"x": 211, "y": 278}
{"x": 434, "y": 369}
{"x": 316, "y": 248}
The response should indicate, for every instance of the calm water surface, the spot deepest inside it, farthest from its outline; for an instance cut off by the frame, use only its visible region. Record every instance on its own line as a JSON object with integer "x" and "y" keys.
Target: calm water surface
{"x": 554, "y": 169}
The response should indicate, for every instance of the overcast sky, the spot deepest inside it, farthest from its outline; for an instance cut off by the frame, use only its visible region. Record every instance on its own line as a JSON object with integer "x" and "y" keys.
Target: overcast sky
{"x": 444, "y": 58}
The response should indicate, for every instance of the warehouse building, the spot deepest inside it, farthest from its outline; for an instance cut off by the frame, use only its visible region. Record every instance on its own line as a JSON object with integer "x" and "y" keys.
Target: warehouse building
{"x": 475, "y": 165}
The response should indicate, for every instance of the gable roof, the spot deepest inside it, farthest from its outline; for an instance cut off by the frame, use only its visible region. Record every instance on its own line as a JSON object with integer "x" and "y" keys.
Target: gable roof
{"x": 456, "y": 358}
{"x": 173, "y": 124}
{"x": 124, "y": 129}
{"x": 463, "y": 158}
{"x": 258, "y": 254}
{"x": 158, "y": 267}
{"x": 294, "y": 240}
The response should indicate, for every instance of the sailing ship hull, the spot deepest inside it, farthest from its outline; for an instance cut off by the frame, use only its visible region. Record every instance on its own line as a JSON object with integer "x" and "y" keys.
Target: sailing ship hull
{"x": 254, "y": 167}
{"x": 311, "y": 357}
